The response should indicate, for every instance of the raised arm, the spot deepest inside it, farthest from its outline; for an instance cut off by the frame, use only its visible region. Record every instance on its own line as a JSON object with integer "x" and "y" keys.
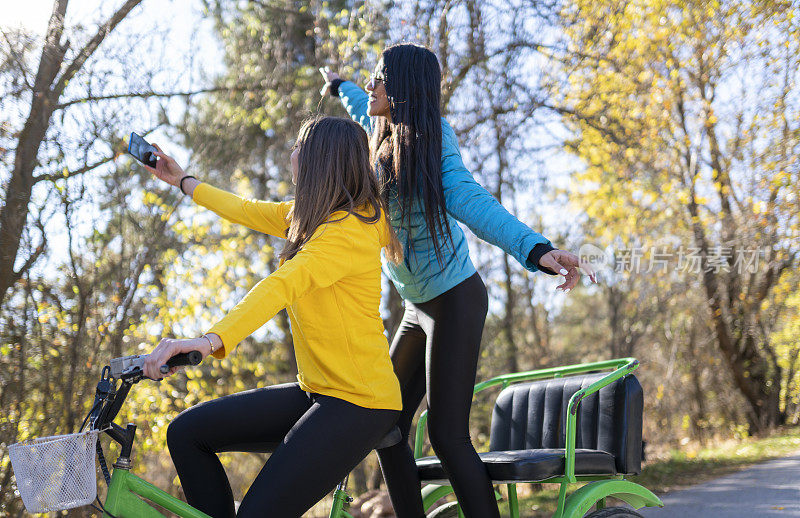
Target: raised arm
{"x": 354, "y": 99}
{"x": 326, "y": 258}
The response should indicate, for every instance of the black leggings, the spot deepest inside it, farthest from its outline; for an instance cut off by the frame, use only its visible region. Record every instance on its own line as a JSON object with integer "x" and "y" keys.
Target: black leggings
{"x": 435, "y": 351}
{"x": 315, "y": 442}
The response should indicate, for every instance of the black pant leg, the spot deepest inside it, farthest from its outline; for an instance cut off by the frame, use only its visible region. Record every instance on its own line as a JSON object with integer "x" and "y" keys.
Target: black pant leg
{"x": 454, "y": 324}
{"x": 255, "y": 420}
{"x": 323, "y": 446}
{"x": 397, "y": 462}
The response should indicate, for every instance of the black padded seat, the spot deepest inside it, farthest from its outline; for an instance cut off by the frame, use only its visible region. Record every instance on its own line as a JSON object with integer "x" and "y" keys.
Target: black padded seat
{"x": 526, "y": 465}
{"x": 528, "y": 434}
{"x": 533, "y": 415}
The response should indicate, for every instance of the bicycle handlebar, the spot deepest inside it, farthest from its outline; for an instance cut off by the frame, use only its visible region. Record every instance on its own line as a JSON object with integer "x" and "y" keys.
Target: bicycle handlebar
{"x": 109, "y": 399}
{"x": 128, "y": 367}
{"x": 181, "y": 360}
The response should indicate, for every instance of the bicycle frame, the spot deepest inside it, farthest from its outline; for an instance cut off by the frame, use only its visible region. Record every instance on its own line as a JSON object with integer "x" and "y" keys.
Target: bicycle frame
{"x": 340, "y": 500}
{"x": 127, "y": 494}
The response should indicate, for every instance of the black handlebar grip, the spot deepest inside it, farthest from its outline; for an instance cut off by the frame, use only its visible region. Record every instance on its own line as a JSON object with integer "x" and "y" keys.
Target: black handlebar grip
{"x": 181, "y": 359}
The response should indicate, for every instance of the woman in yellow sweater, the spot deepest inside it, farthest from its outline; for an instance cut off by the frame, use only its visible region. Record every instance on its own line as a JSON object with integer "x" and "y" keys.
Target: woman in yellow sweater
{"x": 347, "y": 396}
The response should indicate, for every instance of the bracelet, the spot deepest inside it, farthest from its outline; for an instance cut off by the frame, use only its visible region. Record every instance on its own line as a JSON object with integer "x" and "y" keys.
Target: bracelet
{"x": 209, "y": 343}
{"x": 180, "y": 185}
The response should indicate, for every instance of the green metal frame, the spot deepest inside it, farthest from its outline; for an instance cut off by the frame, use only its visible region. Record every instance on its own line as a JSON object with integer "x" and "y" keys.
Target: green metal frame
{"x": 587, "y": 496}
{"x": 340, "y": 501}
{"x": 127, "y": 494}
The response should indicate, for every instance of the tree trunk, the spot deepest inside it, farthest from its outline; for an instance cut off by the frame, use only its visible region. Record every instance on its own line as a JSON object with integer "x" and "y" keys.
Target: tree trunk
{"x": 512, "y": 364}
{"x": 14, "y": 214}
{"x": 752, "y": 373}
{"x": 538, "y": 347}
{"x": 45, "y": 94}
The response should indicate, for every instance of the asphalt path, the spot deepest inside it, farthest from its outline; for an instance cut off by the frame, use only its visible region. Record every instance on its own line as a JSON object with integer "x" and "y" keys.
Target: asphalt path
{"x": 770, "y": 489}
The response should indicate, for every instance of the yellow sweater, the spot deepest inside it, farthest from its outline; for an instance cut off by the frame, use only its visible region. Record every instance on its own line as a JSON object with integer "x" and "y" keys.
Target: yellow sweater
{"x": 331, "y": 290}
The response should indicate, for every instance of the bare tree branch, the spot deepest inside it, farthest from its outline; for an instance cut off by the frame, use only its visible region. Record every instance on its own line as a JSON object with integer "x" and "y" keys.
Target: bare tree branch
{"x": 18, "y": 61}
{"x": 150, "y": 94}
{"x": 88, "y": 49}
{"x": 30, "y": 261}
{"x": 69, "y": 174}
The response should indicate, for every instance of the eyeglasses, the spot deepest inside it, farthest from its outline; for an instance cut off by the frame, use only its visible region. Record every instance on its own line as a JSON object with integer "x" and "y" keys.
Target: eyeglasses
{"x": 374, "y": 79}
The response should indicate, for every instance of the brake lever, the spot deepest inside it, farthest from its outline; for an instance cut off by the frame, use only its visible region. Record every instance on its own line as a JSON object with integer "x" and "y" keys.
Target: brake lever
{"x": 134, "y": 374}
{"x": 128, "y": 370}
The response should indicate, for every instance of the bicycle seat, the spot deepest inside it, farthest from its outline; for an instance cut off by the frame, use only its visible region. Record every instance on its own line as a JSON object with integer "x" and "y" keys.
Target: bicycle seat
{"x": 390, "y": 439}
{"x": 528, "y": 434}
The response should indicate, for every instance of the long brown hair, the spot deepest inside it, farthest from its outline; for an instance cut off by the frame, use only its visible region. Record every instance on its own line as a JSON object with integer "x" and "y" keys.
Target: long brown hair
{"x": 334, "y": 175}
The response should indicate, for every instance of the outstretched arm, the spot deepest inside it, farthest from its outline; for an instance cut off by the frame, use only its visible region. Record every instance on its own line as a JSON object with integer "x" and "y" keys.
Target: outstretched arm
{"x": 467, "y": 201}
{"x": 322, "y": 261}
{"x": 470, "y": 203}
{"x": 262, "y": 216}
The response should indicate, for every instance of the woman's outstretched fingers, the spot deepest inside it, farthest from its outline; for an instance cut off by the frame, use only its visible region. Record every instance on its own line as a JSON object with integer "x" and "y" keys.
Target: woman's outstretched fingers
{"x": 570, "y": 279}
{"x": 587, "y": 269}
{"x": 550, "y": 261}
{"x": 328, "y": 74}
{"x": 567, "y": 264}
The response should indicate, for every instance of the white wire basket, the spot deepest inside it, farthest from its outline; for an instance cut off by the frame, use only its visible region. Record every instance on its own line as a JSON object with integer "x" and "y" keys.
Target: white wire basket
{"x": 56, "y": 473}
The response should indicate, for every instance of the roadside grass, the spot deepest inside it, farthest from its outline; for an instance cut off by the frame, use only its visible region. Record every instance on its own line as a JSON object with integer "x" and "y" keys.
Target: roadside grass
{"x": 675, "y": 469}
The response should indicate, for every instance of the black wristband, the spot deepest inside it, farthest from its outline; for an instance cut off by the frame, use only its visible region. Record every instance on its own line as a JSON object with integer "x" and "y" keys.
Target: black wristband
{"x": 536, "y": 254}
{"x": 335, "y": 86}
{"x": 180, "y": 185}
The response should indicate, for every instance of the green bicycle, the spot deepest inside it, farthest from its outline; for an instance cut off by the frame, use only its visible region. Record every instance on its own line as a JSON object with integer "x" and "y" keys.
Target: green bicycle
{"x": 58, "y": 473}
{"x": 527, "y": 445}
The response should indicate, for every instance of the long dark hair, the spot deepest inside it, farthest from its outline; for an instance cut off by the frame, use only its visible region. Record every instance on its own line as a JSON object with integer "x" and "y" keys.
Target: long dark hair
{"x": 409, "y": 147}
{"x": 334, "y": 175}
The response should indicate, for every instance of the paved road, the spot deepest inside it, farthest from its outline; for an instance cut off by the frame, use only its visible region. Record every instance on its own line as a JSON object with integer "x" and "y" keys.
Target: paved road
{"x": 771, "y": 489}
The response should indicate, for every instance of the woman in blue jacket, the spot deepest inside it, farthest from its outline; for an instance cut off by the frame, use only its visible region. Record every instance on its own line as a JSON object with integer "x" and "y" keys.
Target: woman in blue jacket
{"x": 435, "y": 349}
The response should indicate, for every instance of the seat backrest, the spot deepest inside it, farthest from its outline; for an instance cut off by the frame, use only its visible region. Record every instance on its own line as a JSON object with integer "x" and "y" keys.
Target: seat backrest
{"x": 532, "y": 415}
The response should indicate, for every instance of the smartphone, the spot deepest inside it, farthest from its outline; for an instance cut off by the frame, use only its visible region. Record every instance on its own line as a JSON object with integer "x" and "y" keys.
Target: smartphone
{"x": 142, "y": 150}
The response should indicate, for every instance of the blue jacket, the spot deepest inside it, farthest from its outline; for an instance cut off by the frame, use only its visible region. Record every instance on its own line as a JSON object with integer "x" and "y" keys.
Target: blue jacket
{"x": 420, "y": 277}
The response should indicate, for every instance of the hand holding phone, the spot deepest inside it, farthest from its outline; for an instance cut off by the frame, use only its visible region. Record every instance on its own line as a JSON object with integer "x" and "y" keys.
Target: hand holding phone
{"x": 142, "y": 150}
{"x": 166, "y": 169}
